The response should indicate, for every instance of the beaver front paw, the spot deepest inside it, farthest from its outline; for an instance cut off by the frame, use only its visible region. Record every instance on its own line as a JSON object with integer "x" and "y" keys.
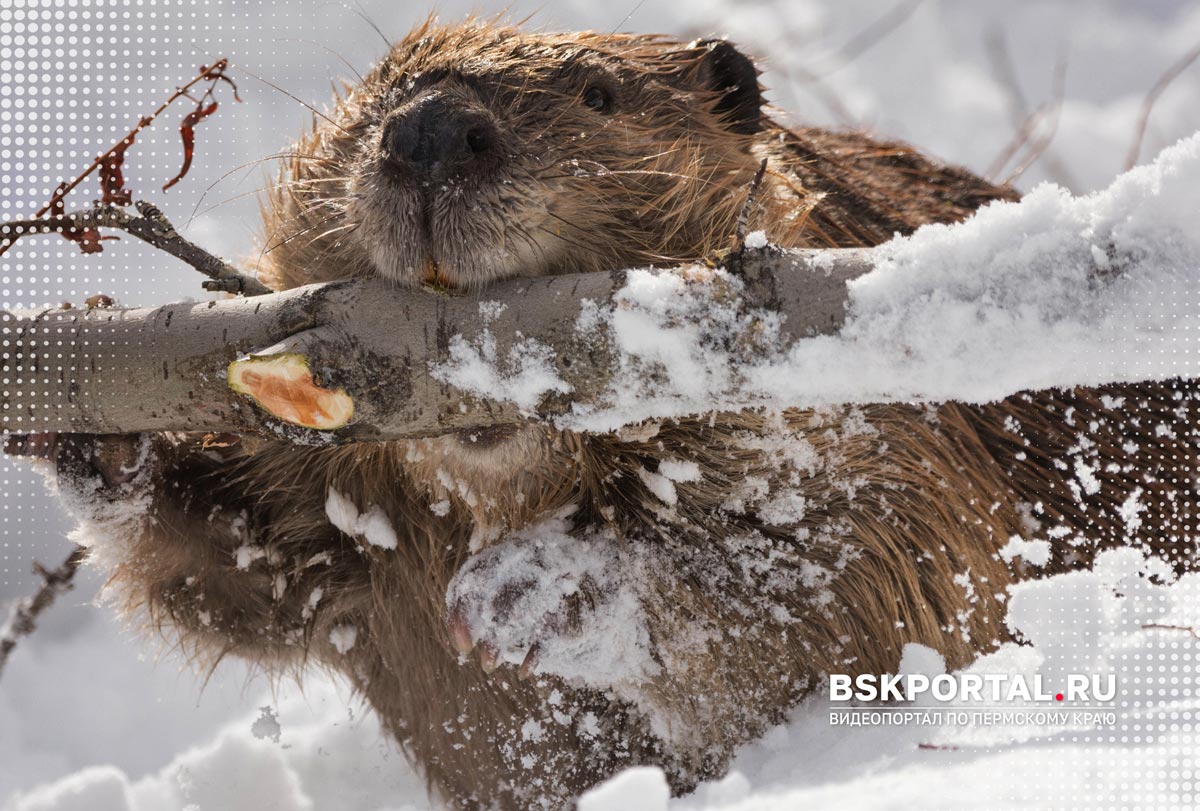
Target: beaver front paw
{"x": 550, "y": 602}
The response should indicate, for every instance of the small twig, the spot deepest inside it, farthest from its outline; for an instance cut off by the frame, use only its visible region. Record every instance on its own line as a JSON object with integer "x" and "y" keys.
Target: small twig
{"x": 739, "y": 234}
{"x": 23, "y": 620}
{"x": 207, "y": 73}
{"x": 1005, "y": 74}
{"x": 1164, "y": 81}
{"x": 1154, "y": 626}
{"x": 151, "y": 227}
{"x": 1021, "y": 137}
{"x": 938, "y": 747}
{"x": 1053, "y": 112}
{"x": 868, "y": 37}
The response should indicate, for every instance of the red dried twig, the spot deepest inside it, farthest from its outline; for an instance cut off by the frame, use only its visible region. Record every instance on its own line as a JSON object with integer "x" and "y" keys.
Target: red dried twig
{"x": 109, "y": 165}
{"x": 205, "y": 106}
{"x": 112, "y": 180}
{"x": 88, "y": 239}
{"x": 187, "y": 133}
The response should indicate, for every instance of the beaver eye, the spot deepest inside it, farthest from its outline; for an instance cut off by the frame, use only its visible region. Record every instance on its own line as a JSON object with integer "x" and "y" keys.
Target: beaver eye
{"x": 598, "y": 99}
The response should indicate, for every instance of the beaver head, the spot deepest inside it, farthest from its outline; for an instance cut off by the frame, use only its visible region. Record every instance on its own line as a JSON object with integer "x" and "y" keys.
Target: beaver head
{"x": 478, "y": 152}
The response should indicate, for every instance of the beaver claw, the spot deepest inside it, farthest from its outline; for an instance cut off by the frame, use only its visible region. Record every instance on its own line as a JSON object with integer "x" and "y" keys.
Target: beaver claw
{"x": 535, "y": 600}
{"x": 460, "y": 633}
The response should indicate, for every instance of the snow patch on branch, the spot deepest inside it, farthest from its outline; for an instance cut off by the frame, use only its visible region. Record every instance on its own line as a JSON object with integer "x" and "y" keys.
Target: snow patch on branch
{"x": 1053, "y": 291}
{"x": 526, "y": 373}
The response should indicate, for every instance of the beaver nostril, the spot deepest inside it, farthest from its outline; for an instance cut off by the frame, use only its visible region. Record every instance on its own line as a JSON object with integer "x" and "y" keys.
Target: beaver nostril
{"x": 401, "y": 140}
{"x": 480, "y": 139}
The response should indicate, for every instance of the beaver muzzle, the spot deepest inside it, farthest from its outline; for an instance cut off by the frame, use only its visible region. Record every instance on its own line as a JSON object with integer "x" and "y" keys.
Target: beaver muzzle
{"x": 440, "y": 137}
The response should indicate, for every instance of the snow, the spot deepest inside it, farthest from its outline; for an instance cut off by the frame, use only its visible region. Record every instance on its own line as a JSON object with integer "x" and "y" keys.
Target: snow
{"x": 373, "y": 526}
{"x": 266, "y": 726}
{"x": 756, "y": 239}
{"x": 679, "y": 471}
{"x": 98, "y": 727}
{"x": 313, "y": 753}
{"x": 1127, "y": 616}
{"x": 641, "y": 788}
{"x": 1012, "y": 299}
{"x": 513, "y": 594}
{"x": 663, "y": 487}
{"x": 522, "y": 377}
{"x": 343, "y": 637}
{"x": 1036, "y": 552}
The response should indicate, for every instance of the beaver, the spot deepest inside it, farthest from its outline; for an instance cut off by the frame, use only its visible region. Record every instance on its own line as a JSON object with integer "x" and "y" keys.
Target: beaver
{"x": 530, "y": 610}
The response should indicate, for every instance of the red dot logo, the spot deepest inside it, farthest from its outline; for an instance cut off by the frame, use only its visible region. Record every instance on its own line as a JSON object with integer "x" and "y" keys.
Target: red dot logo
{"x": 1058, "y": 697}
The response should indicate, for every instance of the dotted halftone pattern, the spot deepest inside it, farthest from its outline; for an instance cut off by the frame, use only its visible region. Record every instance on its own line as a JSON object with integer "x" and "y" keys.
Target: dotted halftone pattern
{"x": 75, "y": 75}
{"x": 56, "y": 59}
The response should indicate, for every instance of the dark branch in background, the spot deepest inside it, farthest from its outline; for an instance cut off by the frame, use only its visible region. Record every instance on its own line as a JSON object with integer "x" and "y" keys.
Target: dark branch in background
{"x": 869, "y": 37}
{"x": 1164, "y": 81}
{"x": 1053, "y": 113}
{"x": 150, "y": 227}
{"x": 1005, "y": 74}
{"x": 23, "y": 620}
{"x": 811, "y": 80}
{"x": 1049, "y": 111}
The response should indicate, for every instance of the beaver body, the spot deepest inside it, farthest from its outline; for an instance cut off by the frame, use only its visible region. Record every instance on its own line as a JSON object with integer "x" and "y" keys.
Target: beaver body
{"x": 759, "y": 550}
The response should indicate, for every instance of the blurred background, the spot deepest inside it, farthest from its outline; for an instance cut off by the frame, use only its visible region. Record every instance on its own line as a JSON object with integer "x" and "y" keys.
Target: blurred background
{"x": 1034, "y": 90}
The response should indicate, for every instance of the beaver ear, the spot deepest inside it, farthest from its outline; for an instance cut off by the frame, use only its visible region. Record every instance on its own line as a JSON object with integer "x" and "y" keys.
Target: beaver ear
{"x": 731, "y": 73}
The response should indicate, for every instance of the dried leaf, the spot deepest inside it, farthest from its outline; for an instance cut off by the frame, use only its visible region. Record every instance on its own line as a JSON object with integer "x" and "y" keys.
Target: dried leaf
{"x": 187, "y": 133}
{"x": 112, "y": 181}
{"x": 88, "y": 239}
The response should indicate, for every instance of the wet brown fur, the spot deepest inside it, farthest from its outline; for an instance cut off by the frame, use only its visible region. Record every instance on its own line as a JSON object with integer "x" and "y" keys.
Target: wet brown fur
{"x": 906, "y": 507}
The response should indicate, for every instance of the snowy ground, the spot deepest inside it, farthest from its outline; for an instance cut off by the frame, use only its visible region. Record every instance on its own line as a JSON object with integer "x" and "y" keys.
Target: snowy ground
{"x": 311, "y": 752}
{"x": 91, "y": 719}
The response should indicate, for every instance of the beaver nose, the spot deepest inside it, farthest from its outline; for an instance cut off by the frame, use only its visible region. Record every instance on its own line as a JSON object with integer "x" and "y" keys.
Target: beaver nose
{"x": 438, "y": 138}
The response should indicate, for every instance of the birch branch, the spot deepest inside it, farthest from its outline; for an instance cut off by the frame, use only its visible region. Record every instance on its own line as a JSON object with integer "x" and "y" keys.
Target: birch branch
{"x": 352, "y": 361}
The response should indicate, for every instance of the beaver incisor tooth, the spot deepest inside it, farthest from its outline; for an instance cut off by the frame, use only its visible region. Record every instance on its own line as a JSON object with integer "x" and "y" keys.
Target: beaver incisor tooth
{"x": 489, "y": 657}
{"x": 529, "y": 663}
